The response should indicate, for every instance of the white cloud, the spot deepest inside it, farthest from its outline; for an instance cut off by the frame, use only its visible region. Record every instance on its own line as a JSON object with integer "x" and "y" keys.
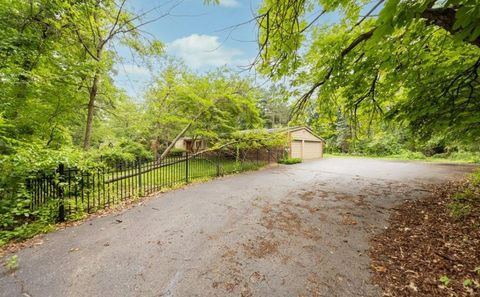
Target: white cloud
{"x": 204, "y": 50}
{"x": 229, "y": 3}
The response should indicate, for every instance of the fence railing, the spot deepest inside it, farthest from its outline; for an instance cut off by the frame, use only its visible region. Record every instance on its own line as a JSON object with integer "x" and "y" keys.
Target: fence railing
{"x": 73, "y": 191}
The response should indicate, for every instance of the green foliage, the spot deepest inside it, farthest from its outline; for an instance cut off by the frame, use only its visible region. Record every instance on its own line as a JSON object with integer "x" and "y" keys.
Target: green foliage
{"x": 177, "y": 152}
{"x": 467, "y": 198}
{"x": 381, "y": 144}
{"x": 290, "y": 161}
{"x": 215, "y": 104}
{"x": 477, "y": 270}
{"x": 469, "y": 157}
{"x": 258, "y": 138}
{"x": 11, "y": 263}
{"x": 409, "y": 155}
{"x": 274, "y": 107}
{"x": 459, "y": 210}
{"x": 444, "y": 280}
{"x": 20, "y": 223}
{"x": 112, "y": 155}
{"x": 467, "y": 283}
{"x": 409, "y": 66}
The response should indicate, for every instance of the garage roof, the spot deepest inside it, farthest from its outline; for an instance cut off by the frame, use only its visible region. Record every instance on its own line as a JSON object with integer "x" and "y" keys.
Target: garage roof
{"x": 293, "y": 129}
{"x": 288, "y": 129}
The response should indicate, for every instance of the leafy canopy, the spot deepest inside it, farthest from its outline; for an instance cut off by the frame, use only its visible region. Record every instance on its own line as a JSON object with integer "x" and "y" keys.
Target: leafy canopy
{"x": 412, "y": 62}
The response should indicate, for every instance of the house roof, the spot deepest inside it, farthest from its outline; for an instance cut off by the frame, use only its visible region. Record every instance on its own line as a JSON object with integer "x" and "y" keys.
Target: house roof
{"x": 286, "y": 129}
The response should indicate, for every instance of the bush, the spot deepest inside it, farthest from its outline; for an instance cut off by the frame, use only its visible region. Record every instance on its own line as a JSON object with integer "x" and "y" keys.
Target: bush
{"x": 290, "y": 161}
{"x": 176, "y": 152}
{"x": 381, "y": 145}
{"x": 136, "y": 149}
{"x": 113, "y": 155}
{"x": 434, "y": 146}
{"x": 409, "y": 155}
{"x": 465, "y": 156}
{"x": 125, "y": 151}
{"x": 467, "y": 199}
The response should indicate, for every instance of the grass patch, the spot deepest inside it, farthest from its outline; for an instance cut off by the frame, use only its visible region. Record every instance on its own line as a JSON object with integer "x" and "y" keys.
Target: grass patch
{"x": 466, "y": 200}
{"x": 290, "y": 161}
{"x": 456, "y": 157}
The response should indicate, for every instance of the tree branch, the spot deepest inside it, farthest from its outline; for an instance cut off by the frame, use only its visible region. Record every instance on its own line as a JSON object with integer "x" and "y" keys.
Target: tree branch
{"x": 444, "y": 17}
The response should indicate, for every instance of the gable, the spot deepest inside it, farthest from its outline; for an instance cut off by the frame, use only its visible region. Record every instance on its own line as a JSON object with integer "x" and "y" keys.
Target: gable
{"x": 305, "y": 134}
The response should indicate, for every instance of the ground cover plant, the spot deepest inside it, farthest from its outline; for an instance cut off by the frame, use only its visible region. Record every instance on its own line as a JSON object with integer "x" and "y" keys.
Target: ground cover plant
{"x": 290, "y": 161}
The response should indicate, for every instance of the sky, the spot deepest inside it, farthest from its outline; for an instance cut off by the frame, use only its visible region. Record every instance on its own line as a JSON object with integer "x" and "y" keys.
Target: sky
{"x": 201, "y": 35}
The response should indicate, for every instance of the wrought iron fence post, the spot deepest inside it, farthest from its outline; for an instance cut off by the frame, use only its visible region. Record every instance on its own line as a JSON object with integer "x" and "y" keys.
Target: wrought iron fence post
{"x": 28, "y": 187}
{"x": 61, "y": 180}
{"x": 139, "y": 172}
{"x": 218, "y": 164}
{"x": 186, "y": 167}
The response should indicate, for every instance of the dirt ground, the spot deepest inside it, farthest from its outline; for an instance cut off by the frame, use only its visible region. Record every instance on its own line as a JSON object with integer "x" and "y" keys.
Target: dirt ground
{"x": 299, "y": 230}
{"x": 425, "y": 244}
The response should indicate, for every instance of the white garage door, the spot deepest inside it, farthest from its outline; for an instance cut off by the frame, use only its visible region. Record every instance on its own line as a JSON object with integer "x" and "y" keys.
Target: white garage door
{"x": 296, "y": 149}
{"x": 310, "y": 149}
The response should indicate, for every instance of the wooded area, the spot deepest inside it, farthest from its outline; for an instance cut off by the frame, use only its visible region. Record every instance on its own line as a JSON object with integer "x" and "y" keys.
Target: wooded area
{"x": 388, "y": 77}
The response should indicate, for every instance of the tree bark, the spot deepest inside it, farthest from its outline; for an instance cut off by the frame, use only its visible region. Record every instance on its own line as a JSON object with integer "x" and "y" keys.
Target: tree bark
{"x": 184, "y": 130}
{"x": 91, "y": 112}
{"x": 172, "y": 144}
{"x": 445, "y": 17}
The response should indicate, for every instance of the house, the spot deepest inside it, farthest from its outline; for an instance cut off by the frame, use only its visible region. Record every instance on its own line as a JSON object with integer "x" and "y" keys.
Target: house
{"x": 190, "y": 144}
{"x": 302, "y": 142}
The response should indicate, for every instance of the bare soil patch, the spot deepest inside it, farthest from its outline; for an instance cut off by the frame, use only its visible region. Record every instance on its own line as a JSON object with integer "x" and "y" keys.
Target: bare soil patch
{"x": 260, "y": 247}
{"x": 284, "y": 217}
{"x": 307, "y": 196}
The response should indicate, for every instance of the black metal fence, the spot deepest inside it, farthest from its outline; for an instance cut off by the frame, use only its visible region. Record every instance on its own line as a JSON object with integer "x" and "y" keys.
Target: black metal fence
{"x": 73, "y": 191}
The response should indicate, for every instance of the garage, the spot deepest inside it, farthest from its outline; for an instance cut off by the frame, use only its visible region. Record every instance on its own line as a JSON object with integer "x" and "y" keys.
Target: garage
{"x": 301, "y": 142}
{"x": 304, "y": 144}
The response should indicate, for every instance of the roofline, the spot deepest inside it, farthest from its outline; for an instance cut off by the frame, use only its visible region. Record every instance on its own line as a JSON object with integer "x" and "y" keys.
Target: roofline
{"x": 293, "y": 129}
{"x": 286, "y": 130}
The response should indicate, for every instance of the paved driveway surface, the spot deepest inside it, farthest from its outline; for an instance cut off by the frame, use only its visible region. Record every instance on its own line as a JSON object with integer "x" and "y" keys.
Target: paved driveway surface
{"x": 298, "y": 230}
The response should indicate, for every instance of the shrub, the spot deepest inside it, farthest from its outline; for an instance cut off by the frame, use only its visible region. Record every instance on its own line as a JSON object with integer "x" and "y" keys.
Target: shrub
{"x": 409, "y": 155}
{"x": 290, "y": 161}
{"x": 381, "y": 144}
{"x": 467, "y": 199}
{"x": 136, "y": 149}
{"x": 113, "y": 155}
{"x": 465, "y": 156}
{"x": 176, "y": 152}
{"x": 125, "y": 151}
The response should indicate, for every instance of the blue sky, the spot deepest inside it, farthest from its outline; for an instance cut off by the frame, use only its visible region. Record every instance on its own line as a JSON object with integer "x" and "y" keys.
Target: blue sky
{"x": 203, "y": 36}
{"x": 196, "y": 33}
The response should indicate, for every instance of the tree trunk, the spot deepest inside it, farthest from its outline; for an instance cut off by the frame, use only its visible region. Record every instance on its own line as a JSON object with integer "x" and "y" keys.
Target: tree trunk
{"x": 91, "y": 112}
{"x": 172, "y": 144}
{"x": 184, "y": 130}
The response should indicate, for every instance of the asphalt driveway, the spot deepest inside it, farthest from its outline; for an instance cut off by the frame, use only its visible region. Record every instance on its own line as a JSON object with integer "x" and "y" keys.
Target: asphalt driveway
{"x": 299, "y": 230}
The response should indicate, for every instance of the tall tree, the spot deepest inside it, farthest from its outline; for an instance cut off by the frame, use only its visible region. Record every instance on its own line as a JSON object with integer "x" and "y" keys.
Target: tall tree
{"x": 206, "y": 106}
{"x": 412, "y": 61}
{"x": 98, "y": 24}
{"x": 40, "y": 71}
{"x": 56, "y": 60}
